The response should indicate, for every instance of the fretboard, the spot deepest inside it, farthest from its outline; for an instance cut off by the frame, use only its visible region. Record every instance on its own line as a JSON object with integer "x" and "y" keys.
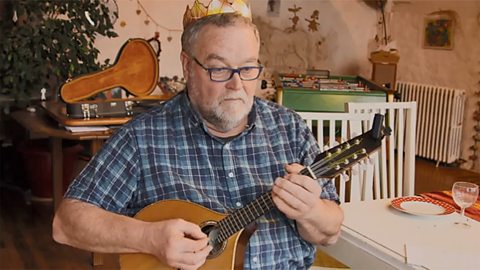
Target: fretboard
{"x": 240, "y": 218}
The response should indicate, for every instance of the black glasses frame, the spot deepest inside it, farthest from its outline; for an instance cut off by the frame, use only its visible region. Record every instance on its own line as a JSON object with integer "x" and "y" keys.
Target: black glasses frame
{"x": 232, "y": 71}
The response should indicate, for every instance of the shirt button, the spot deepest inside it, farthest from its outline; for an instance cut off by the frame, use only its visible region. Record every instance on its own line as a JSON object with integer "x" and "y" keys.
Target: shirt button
{"x": 230, "y": 174}
{"x": 238, "y": 204}
{"x": 255, "y": 259}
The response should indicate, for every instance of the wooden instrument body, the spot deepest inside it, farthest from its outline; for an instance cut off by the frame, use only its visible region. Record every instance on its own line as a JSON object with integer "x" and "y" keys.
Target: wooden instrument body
{"x": 135, "y": 70}
{"x": 230, "y": 258}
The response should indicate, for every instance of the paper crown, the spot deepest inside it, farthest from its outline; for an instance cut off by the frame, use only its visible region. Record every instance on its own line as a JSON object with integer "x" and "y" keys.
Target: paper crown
{"x": 199, "y": 10}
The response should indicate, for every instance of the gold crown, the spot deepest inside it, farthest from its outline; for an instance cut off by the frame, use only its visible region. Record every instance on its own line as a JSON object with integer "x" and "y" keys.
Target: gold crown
{"x": 199, "y": 10}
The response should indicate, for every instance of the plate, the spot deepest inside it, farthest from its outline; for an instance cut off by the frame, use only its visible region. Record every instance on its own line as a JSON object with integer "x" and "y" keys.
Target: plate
{"x": 422, "y": 206}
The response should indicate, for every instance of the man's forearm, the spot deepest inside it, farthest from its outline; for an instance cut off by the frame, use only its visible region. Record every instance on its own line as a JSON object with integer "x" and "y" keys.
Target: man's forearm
{"x": 322, "y": 228}
{"x": 88, "y": 227}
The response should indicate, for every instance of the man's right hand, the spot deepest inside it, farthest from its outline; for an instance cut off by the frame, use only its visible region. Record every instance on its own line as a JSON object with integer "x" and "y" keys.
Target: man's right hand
{"x": 177, "y": 243}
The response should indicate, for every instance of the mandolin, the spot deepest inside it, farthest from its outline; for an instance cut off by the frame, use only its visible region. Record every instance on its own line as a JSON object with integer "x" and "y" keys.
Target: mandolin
{"x": 135, "y": 70}
{"x": 229, "y": 234}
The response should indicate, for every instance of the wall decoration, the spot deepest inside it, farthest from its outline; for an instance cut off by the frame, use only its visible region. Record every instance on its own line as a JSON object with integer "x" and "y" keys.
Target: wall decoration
{"x": 475, "y": 147}
{"x": 294, "y": 19}
{"x": 273, "y": 8}
{"x": 312, "y": 24}
{"x": 149, "y": 19}
{"x": 438, "y": 30}
{"x": 384, "y": 14}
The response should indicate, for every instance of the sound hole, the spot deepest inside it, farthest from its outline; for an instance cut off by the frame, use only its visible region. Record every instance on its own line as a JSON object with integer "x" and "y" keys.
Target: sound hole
{"x": 210, "y": 228}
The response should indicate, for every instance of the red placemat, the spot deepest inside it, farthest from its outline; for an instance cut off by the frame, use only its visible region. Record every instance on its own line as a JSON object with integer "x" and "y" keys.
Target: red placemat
{"x": 472, "y": 212}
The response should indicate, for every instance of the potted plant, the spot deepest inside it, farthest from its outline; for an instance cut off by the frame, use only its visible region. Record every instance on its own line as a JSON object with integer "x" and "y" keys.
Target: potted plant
{"x": 46, "y": 42}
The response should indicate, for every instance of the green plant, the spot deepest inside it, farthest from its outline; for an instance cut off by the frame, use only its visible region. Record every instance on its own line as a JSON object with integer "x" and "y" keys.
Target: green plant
{"x": 43, "y": 43}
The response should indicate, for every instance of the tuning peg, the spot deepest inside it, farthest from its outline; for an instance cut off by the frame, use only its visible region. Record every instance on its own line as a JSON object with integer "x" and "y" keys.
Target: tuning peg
{"x": 347, "y": 145}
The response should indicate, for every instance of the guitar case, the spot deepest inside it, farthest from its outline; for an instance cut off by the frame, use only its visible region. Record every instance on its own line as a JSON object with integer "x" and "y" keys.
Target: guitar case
{"x": 135, "y": 70}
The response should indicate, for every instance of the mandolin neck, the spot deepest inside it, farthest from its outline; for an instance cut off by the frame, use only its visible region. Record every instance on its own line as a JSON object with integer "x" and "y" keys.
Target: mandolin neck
{"x": 248, "y": 214}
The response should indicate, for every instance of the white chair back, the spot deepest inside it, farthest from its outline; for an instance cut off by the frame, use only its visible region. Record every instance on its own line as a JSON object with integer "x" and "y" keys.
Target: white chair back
{"x": 394, "y": 170}
{"x": 331, "y": 129}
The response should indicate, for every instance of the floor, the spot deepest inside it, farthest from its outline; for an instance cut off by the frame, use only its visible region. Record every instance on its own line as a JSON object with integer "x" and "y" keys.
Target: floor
{"x": 25, "y": 229}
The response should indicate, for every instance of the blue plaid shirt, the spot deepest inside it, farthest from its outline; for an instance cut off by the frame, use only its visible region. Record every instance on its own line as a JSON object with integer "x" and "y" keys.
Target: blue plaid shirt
{"x": 167, "y": 153}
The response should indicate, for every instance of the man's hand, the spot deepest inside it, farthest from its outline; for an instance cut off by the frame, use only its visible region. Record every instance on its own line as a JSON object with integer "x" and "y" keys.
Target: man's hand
{"x": 178, "y": 243}
{"x": 296, "y": 195}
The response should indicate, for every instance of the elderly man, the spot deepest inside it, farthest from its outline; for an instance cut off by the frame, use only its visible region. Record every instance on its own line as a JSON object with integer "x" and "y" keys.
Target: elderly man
{"x": 216, "y": 145}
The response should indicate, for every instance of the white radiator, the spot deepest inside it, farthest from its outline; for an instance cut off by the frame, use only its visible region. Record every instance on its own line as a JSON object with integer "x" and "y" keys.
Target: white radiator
{"x": 439, "y": 119}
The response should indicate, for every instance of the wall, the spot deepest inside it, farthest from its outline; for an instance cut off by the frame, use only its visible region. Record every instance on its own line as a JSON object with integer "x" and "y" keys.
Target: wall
{"x": 345, "y": 37}
{"x": 456, "y": 68}
{"x": 340, "y": 44}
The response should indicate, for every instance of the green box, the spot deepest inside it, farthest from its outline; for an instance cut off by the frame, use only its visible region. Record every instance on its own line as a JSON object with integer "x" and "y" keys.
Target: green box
{"x": 332, "y": 100}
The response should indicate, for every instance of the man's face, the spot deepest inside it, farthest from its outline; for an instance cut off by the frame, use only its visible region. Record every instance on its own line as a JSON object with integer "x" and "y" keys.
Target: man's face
{"x": 224, "y": 105}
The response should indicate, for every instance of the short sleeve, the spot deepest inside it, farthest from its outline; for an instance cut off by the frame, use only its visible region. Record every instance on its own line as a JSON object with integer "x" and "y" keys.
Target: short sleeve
{"x": 110, "y": 178}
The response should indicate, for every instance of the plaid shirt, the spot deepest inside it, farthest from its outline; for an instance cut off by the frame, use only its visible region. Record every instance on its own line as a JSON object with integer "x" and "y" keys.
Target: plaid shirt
{"x": 167, "y": 153}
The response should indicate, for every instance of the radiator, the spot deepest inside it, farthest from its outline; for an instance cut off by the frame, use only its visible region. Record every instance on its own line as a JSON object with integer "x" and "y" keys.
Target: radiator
{"x": 440, "y": 113}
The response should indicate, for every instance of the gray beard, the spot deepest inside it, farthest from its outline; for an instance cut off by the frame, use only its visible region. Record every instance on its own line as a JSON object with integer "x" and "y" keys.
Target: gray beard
{"x": 221, "y": 121}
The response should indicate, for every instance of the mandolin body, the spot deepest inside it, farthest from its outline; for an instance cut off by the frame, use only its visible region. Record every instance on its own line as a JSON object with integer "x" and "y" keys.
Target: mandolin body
{"x": 231, "y": 256}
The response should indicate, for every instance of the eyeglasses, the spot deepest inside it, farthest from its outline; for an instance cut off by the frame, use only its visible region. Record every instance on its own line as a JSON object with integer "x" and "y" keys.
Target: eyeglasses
{"x": 248, "y": 73}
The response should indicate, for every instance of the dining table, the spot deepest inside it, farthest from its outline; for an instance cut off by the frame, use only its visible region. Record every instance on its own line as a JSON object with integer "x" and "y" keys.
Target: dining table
{"x": 380, "y": 234}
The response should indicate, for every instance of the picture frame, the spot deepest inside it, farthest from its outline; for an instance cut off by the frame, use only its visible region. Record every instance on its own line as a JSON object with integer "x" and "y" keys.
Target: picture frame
{"x": 438, "y": 32}
{"x": 273, "y": 8}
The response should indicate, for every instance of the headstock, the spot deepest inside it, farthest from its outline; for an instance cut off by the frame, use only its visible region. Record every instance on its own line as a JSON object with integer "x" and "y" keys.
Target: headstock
{"x": 336, "y": 160}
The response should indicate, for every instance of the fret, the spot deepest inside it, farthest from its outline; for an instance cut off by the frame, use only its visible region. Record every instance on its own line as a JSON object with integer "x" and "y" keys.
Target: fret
{"x": 243, "y": 216}
{"x": 221, "y": 235}
{"x": 236, "y": 222}
{"x": 228, "y": 226}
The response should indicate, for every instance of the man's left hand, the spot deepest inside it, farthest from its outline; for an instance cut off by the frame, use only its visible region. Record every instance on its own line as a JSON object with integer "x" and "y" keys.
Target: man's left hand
{"x": 296, "y": 195}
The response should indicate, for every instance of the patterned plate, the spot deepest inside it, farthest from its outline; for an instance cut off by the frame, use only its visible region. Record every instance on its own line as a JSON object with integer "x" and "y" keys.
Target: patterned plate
{"x": 421, "y": 206}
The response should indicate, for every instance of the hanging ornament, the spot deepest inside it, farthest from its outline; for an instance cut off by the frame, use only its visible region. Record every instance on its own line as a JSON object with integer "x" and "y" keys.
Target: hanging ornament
{"x": 15, "y": 17}
{"x": 294, "y": 19}
{"x": 312, "y": 24}
{"x": 142, "y": 10}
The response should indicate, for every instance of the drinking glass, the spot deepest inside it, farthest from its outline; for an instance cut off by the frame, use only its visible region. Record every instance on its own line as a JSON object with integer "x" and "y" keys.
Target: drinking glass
{"x": 465, "y": 195}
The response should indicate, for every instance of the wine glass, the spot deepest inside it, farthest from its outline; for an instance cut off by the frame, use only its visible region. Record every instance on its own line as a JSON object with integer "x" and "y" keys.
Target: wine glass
{"x": 465, "y": 195}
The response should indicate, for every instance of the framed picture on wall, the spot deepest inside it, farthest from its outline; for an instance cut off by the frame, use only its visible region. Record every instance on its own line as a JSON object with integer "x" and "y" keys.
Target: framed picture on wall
{"x": 438, "y": 31}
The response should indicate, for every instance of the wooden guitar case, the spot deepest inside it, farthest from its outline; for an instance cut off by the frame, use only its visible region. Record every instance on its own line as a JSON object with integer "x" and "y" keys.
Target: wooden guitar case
{"x": 135, "y": 70}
